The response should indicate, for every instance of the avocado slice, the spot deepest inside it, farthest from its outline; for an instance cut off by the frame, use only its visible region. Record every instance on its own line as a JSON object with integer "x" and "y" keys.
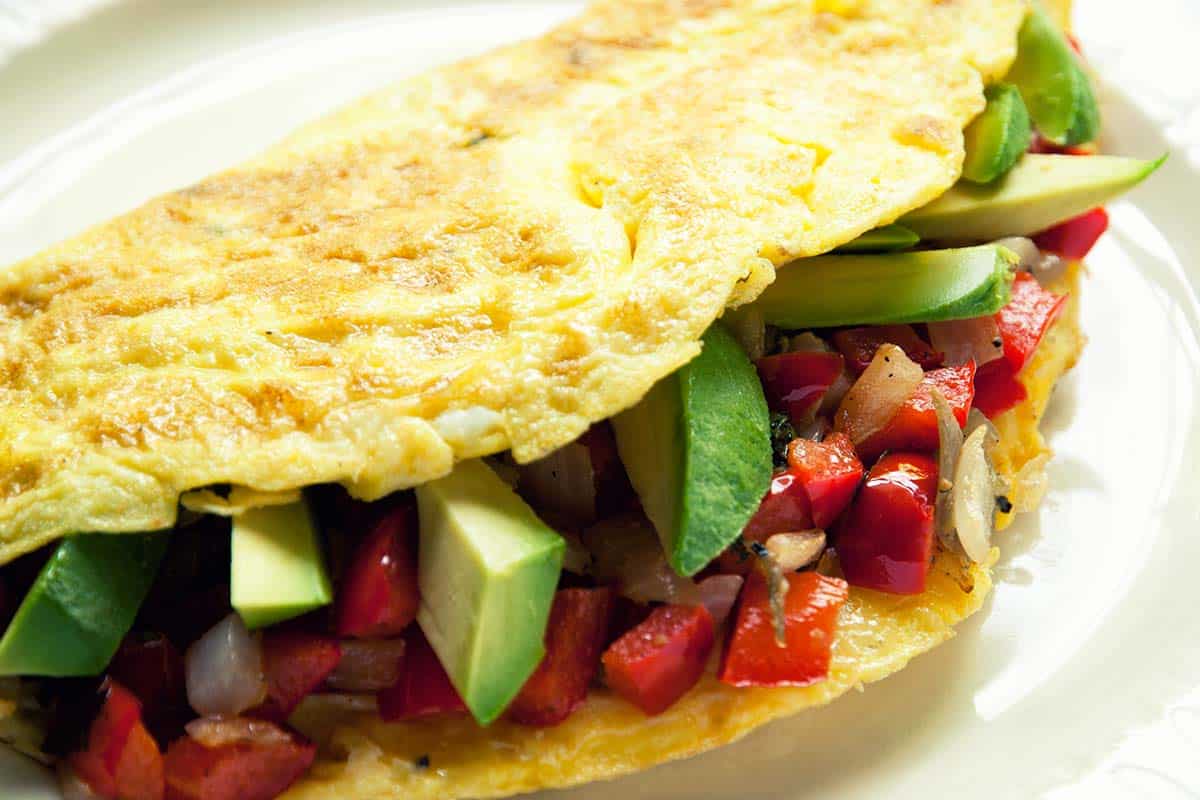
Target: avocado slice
{"x": 277, "y": 569}
{"x": 886, "y": 239}
{"x": 81, "y": 605}
{"x": 920, "y": 286}
{"x": 487, "y": 571}
{"x": 1052, "y": 82}
{"x": 1038, "y": 193}
{"x": 997, "y": 138}
{"x": 698, "y": 451}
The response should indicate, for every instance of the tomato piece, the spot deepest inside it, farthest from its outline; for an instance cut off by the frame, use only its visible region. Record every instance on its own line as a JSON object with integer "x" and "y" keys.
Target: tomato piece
{"x": 152, "y": 668}
{"x": 753, "y": 657}
{"x": 886, "y": 539}
{"x": 378, "y": 598}
{"x": 829, "y": 471}
{"x": 914, "y": 426}
{"x": 657, "y": 662}
{"x": 997, "y": 388}
{"x": 424, "y": 687}
{"x": 1023, "y": 322}
{"x": 121, "y": 760}
{"x": 575, "y": 639}
{"x": 242, "y": 770}
{"x": 295, "y": 664}
{"x": 795, "y": 383}
{"x": 785, "y": 507}
{"x": 858, "y": 345}
{"x": 1074, "y": 238}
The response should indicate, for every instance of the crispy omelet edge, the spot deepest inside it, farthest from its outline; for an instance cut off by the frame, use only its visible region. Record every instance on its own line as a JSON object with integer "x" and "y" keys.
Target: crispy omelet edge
{"x": 878, "y": 635}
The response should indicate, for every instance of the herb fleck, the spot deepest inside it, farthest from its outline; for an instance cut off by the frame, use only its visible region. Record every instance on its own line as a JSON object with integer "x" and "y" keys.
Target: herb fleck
{"x": 422, "y": 762}
{"x": 782, "y": 433}
{"x": 1004, "y": 504}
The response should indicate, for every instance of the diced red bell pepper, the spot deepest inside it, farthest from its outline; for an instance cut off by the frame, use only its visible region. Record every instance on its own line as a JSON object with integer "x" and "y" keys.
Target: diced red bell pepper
{"x": 886, "y": 539}
{"x": 1023, "y": 322}
{"x": 1074, "y": 238}
{"x": 914, "y": 426}
{"x": 656, "y": 663}
{"x": 378, "y": 598}
{"x": 424, "y": 687}
{"x": 295, "y": 664}
{"x": 858, "y": 345}
{"x": 795, "y": 383}
{"x": 122, "y": 760}
{"x": 997, "y": 388}
{"x": 829, "y": 471}
{"x": 614, "y": 492}
{"x": 244, "y": 770}
{"x": 784, "y": 508}
{"x": 753, "y": 656}
{"x": 575, "y": 639}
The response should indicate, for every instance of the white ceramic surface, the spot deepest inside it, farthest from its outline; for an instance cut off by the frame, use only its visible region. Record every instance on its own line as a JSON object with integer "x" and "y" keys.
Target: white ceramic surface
{"x": 1081, "y": 676}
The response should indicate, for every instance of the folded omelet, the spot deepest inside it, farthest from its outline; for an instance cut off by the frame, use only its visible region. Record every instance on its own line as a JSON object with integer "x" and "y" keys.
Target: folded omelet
{"x": 492, "y": 256}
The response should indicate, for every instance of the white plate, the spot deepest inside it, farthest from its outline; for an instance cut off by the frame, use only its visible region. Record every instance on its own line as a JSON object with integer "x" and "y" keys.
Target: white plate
{"x": 1081, "y": 676}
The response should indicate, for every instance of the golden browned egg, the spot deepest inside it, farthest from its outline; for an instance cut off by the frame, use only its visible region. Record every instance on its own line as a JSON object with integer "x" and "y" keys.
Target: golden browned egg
{"x": 491, "y": 255}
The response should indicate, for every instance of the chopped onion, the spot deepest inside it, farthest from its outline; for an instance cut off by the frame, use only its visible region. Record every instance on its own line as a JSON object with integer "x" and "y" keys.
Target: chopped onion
{"x": 221, "y": 731}
{"x": 806, "y": 342}
{"x": 1029, "y": 484}
{"x": 835, "y": 393}
{"x": 950, "y": 442}
{"x": 962, "y": 340}
{"x": 368, "y": 665}
{"x": 576, "y": 558}
{"x": 974, "y": 497}
{"x": 777, "y": 589}
{"x": 795, "y": 550}
{"x": 225, "y": 670}
{"x": 717, "y": 593}
{"x": 888, "y": 381}
{"x": 563, "y": 482}
{"x": 1027, "y": 252}
{"x": 747, "y": 326}
{"x": 74, "y": 787}
{"x": 816, "y": 430}
{"x": 627, "y": 551}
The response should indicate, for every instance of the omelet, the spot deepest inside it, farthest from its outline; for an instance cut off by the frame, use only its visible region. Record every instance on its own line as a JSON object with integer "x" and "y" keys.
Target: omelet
{"x": 489, "y": 256}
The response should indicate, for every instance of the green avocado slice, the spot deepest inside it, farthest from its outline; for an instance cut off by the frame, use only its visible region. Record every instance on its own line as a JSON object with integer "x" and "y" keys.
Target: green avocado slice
{"x": 1055, "y": 88}
{"x": 920, "y": 286}
{"x": 1038, "y": 193}
{"x": 488, "y": 570}
{"x": 81, "y": 605}
{"x": 277, "y": 569}
{"x": 996, "y": 139}
{"x": 885, "y": 239}
{"x": 698, "y": 451}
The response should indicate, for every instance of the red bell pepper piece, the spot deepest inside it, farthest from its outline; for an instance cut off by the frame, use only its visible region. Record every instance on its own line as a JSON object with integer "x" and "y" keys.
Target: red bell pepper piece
{"x": 424, "y": 688}
{"x": 997, "y": 388}
{"x": 241, "y": 770}
{"x": 378, "y": 598}
{"x": 829, "y": 471}
{"x": 295, "y": 664}
{"x": 914, "y": 426}
{"x": 886, "y": 539}
{"x": 655, "y": 664}
{"x": 575, "y": 639}
{"x": 795, "y": 383}
{"x": 1023, "y": 322}
{"x": 753, "y": 656}
{"x": 858, "y": 345}
{"x": 122, "y": 760}
{"x": 1074, "y": 238}
{"x": 784, "y": 508}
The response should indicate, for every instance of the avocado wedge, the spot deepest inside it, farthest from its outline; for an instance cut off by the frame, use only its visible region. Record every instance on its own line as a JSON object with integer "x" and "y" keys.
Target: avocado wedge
{"x": 278, "y": 569}
{"x": 81, "y": 605}
{"x": 885, "y": 239}
{"x": 698, "y": 451}
{"x": 1038, "y": 193}
{"x": 1052, "y": 82}
{"x": 487, "y": 572}
{"x": 997, "y": 138}
{"x": 921, "y": 286}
